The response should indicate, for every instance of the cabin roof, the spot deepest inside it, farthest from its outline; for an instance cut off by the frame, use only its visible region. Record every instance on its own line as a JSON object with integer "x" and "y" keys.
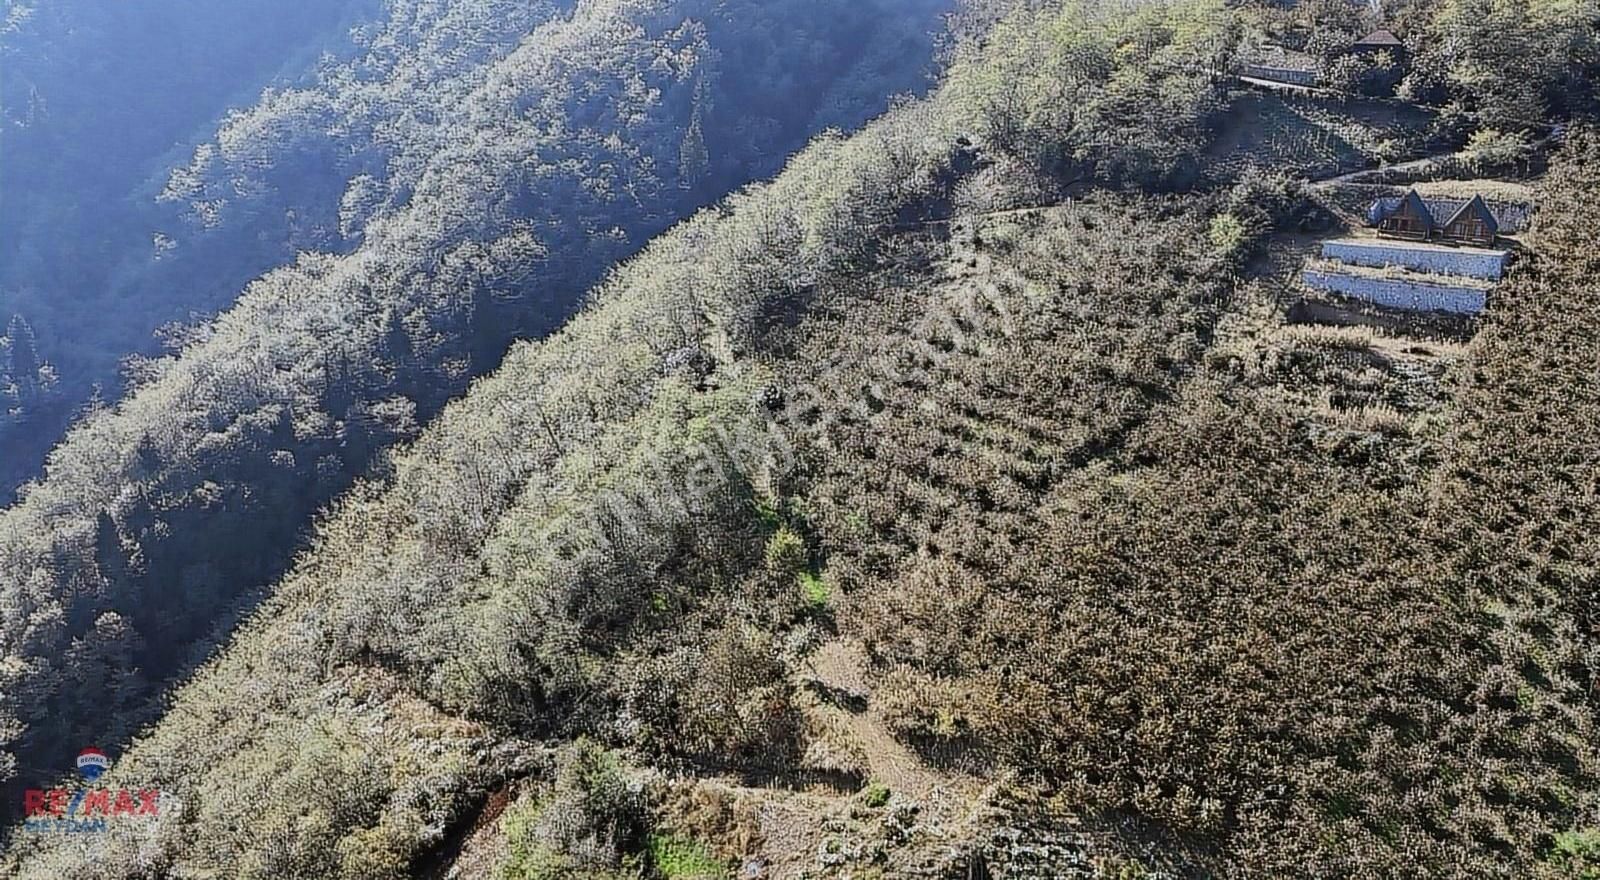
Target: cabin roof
{"x": 1510, "y": 217}
{"x": 1476, "y": 206}
{"x": 1419, "y": 207}
{"x": 1380, "y": 38}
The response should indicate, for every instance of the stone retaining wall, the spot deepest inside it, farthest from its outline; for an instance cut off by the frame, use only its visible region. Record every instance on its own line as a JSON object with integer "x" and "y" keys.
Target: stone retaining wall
{"x": 1470, "y": 262}
{"x": 1399, "y": 293}
{"x": 1290, "y": 75}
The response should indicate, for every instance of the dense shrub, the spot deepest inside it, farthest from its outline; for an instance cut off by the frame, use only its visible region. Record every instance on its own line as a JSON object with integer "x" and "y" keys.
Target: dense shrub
{"x": 1083, "y": 93}
{"x": 586, "y": 824}
{"x": 1516, "y": 63}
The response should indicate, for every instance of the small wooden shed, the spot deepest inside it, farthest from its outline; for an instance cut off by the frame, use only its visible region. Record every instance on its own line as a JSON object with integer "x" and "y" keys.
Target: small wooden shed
{"x": 1380, "y": 40}
{"x": 1473, "y": 223}
{"x": 1410, "y": 219}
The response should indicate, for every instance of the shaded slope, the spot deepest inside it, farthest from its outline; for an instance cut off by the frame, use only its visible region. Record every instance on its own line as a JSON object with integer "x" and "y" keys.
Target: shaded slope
{"x": 93, "y": 99}
{"x": 340, "y": 143}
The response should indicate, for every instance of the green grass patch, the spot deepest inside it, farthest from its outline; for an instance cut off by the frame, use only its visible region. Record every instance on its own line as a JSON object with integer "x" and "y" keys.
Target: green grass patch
{"x": 1578, "y": 853}
{"x": 680, "y": 858}
{"x": 815, "y": 588}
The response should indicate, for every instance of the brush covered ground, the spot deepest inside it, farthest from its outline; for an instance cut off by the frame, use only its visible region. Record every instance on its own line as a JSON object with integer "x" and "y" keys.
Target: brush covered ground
{"x": 962, "y": 500}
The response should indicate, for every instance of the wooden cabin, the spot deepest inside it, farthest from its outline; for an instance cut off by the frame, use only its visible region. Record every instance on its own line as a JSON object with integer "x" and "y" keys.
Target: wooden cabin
{"x": 1409, "y": 220}
{"x": 1472, "y": 224}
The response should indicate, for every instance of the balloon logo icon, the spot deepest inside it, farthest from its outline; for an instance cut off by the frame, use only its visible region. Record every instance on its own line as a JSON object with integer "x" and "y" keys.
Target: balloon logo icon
{"x": 92, "y": 762}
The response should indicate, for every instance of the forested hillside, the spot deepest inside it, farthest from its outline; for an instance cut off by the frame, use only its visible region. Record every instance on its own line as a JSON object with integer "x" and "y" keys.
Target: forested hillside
{"x": 965, "y": 501}
{"x": 96, "y": 95}
{"x": 339, "y": 142}
{"x": 159, "y": 518}
{"x": 94, "y": 98}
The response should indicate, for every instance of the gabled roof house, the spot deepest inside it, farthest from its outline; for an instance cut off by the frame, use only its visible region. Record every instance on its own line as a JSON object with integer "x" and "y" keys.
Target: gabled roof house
{"x": 1472, "y": 223}
{"x": 1380, "y": 40}
{"x": 1411, "y": 219}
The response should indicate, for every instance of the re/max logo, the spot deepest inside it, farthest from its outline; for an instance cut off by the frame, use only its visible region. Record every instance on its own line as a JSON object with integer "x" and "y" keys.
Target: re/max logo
{"x": 90, "y": 802}
{"x": 63, "y": 810}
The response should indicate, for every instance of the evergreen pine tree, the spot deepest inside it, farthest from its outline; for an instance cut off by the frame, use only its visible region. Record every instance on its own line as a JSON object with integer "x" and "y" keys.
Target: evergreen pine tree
{"x": 22, "y": 374}
{"x": 694, "y": 159}
{"x": 24, "y": 351}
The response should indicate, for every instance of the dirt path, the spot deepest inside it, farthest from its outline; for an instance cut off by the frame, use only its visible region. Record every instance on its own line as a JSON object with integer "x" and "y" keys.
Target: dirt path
{"x": 1554, "y": 138}
{"x": 1401, "y": 167}
{"x": 840, "y": 667}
